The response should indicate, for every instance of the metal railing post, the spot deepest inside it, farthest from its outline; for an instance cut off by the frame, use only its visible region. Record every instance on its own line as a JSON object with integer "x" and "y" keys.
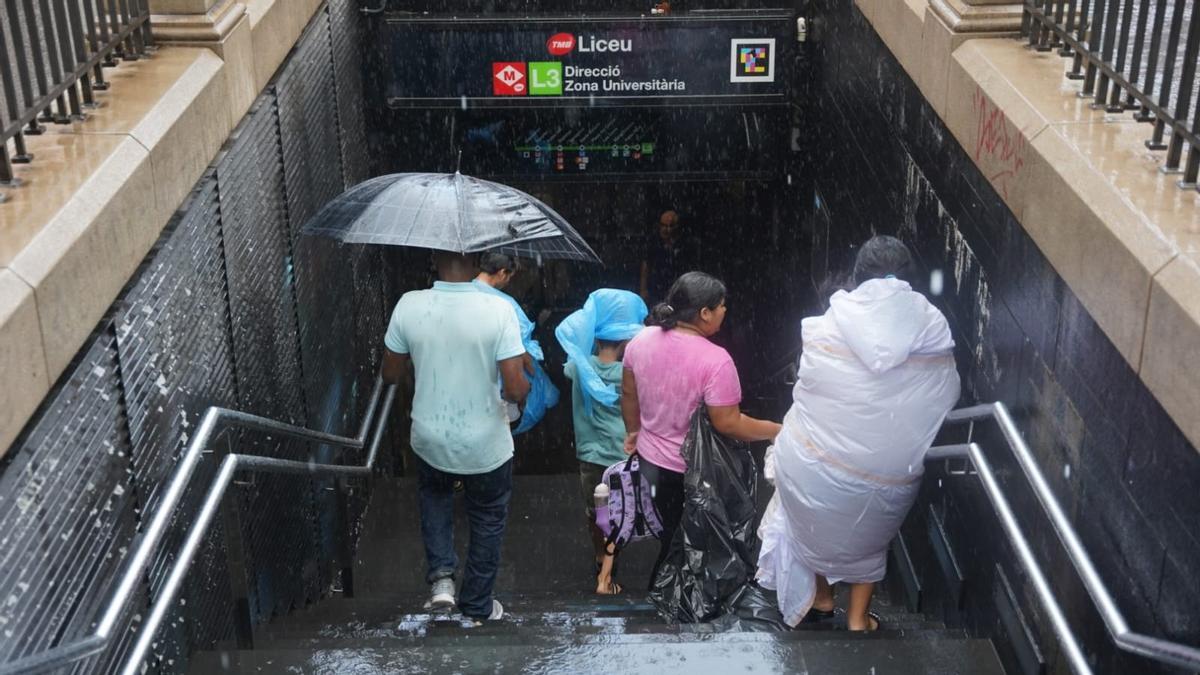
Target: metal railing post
{"x": 345, "y": 560}
{"x": 235, "y": 563}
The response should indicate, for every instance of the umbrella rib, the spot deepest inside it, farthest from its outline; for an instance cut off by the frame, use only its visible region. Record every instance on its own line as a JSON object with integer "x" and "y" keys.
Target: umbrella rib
{"x": 462, "y": 207}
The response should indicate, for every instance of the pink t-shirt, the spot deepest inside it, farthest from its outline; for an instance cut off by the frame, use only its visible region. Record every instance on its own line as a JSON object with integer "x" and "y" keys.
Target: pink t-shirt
{"x": 674, "y": 372}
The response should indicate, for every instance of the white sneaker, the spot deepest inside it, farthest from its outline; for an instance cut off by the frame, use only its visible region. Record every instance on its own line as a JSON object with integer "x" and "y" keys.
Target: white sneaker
{"x": 496, "y": 615}
{"x": 441, "y": 596}
{"x": 497, "y": 611}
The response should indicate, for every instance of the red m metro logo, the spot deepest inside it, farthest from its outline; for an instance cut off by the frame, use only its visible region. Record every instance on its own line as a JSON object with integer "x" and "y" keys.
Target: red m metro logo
{"x": 508, "y": 78}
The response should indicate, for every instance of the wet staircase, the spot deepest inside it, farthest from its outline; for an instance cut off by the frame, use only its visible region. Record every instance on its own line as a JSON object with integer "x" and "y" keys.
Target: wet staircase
{"x": 553, "y": 623}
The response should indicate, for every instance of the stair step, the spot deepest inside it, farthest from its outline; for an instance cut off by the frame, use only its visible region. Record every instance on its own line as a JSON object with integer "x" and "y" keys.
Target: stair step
{"x": 514, "y": 632}
{"x": 695, "y": 653}
{"x": 352, "y": 619}
{"x": 552, "y": 638}
{"x": 392, "y": 611}
{"x": 425, "y": 628}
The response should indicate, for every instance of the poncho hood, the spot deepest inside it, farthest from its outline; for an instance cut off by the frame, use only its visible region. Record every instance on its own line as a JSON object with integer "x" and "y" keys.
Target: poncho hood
{"x": 884, "y": 321}
{"x": 608, "y": 314}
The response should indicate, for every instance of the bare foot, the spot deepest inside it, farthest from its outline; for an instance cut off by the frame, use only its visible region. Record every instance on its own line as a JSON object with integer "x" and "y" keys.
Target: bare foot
{"x": 871, "y": 623}
{"x": 608, "y": 587}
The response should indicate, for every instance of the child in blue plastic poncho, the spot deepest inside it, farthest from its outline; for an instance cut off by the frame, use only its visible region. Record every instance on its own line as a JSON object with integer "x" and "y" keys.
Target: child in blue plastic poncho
{"x": 594, "y": 339}
{"x": 495, "y": 271}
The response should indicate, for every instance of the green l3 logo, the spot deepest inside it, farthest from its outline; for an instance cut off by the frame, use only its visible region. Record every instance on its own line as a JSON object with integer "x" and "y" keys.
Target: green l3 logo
{"x": 545, "y": 78}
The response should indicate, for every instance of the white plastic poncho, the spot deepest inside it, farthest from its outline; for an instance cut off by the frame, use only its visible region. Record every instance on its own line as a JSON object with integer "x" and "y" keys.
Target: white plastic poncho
{"x": 876, "y": 380}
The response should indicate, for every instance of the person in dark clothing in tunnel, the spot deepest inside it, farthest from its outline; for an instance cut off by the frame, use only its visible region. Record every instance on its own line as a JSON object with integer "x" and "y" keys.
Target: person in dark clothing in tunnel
{"x": 458, "y": 342}
{"x": 669, "y": 253}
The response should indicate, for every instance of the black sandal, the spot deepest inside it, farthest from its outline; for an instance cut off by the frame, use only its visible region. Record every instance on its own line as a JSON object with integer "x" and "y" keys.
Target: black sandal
{"x": 815, "y": 615}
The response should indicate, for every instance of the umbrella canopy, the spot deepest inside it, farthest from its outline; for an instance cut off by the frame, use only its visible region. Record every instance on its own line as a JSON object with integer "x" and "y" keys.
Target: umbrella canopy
{"x": 449, "y": 212}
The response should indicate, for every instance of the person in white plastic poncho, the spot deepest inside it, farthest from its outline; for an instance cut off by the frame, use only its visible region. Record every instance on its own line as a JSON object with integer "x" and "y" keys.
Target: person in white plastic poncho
{"x": 876, "y": 380}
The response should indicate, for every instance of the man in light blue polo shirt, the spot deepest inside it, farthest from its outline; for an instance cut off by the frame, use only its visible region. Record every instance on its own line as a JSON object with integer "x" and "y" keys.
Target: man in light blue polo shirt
{"x": 458, "y": 341}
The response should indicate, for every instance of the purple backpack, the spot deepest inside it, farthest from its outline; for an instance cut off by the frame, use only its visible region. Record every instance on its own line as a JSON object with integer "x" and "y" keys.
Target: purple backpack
{"x": 630, "y": 515}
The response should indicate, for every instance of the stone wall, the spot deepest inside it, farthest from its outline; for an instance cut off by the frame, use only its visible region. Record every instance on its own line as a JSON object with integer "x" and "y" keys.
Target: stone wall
{"x": 884, "y": 162}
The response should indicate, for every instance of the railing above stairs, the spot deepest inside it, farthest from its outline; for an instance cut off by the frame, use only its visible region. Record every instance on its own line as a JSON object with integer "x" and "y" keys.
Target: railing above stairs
{"x": 1127, "y": 55}
{"x": 215, "y": 420}
{"x": 1157, "y": 649}
{"x": 55, "y": 53}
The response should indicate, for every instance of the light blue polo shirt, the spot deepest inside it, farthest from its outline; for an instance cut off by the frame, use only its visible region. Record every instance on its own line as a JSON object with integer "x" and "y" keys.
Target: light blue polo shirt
{"x": 455, "y": 335}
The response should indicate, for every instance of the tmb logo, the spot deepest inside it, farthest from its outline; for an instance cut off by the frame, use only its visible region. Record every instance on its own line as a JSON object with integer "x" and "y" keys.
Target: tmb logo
{"x": 560, "y": 44}
{"x": 508, "y": 78}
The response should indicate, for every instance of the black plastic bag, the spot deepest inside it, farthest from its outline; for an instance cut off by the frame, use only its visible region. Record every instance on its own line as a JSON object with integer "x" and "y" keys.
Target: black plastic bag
{"x": 753, "y": 609}
{"x": 714, "y": 551}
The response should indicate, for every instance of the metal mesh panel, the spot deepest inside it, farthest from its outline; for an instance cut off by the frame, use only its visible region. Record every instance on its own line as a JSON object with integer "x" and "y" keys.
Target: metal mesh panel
{"x": 173, "y": 340}
{"x": 326, "y": 309}
{"x": 308, "y": 124}
{"x": 278, "y": 517}
{"x": 175, "y": 356}
{"x": 259, "y": 266}
{"x": 345, "y": 36}
{"x": 371, "y": 316}
{"x": 67, "y": 509}
{"x": 203, "y": 613}
{"x": 335, "y": 382}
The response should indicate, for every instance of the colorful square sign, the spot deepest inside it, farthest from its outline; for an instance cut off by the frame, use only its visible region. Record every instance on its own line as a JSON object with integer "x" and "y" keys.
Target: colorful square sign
{"x": 752, "y": 60}
{"x": 545, "y": 78}
{"x": 508, "y": 78}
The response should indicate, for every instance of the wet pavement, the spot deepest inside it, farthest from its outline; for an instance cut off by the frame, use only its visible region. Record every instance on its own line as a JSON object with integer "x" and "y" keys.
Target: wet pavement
{"x": 724, "y": 655}
{"x": 554, "y": 623}
{"x": 546, "y": 545}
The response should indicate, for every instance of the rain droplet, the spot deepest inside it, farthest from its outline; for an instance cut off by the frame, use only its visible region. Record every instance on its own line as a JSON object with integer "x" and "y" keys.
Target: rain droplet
{"x": 936, "y": 281}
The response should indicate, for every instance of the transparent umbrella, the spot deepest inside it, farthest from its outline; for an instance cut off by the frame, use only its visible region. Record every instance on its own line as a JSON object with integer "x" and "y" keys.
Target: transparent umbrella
{"x": 449, "y": 212}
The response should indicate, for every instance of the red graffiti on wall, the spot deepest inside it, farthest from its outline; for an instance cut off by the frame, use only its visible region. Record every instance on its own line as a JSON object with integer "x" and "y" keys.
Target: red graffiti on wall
{"x": 997, "y": 144}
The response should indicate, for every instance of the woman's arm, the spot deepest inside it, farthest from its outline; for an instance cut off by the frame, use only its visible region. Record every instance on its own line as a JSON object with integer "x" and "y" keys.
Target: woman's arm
{"x": 631, "y": 411}
{"x": 729, "y": 421}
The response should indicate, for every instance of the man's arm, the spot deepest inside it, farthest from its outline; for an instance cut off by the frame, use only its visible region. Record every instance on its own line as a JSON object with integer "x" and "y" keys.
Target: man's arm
{"x": 512, "y": 374}
{"x": 396, "y": 367}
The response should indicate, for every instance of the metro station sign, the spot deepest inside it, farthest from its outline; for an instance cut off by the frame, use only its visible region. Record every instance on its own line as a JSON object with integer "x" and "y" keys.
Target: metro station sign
{"x": 705, "y": 57}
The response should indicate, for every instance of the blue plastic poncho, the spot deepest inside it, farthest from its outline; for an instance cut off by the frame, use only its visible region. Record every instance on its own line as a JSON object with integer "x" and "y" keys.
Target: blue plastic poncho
{"x": 543, "y": 395}
{"x": 531, "y": 345}
{"x": 608, "y": 314}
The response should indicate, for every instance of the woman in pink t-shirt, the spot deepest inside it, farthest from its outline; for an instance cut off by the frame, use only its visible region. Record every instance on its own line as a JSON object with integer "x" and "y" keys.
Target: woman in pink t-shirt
{"x": 670, "y": 369}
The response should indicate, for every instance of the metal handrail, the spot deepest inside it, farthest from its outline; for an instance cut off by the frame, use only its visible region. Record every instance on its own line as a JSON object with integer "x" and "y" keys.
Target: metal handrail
{"x": 148, "y": 541}
{"x": 1158, "y": 649}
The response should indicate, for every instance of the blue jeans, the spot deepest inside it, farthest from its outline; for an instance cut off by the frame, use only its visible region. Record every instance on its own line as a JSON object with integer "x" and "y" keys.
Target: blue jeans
{"x": 487, "y": 497}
